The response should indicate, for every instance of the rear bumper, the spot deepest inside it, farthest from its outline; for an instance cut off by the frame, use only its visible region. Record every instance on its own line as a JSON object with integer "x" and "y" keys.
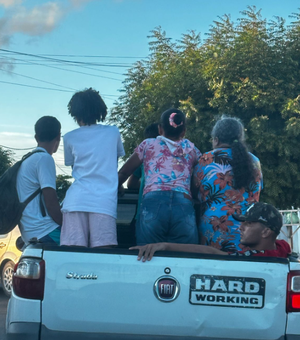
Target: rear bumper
{"x": 23, "y": 330}
{"x": 32, "y": 331}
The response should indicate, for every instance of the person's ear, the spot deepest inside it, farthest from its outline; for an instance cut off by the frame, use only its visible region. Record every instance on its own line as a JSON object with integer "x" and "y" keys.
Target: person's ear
{"x": 215, "y": 142}
{"x": 56, "y": 142}
{"x": 57, "y": 139}
{"x": 35, "y": 137}
{"x": 266, "y": 232}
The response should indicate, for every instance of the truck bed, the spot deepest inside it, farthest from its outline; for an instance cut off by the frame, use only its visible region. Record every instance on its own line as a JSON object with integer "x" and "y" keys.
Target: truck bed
{"x": 82, "y": 293}
{"x": 109, "y": 293}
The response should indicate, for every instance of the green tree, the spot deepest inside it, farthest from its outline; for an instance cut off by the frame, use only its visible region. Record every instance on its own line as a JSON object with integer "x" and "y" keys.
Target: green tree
{"x": 249, "y": 69}
{"x": 171, "y": 76}
{"x": 62, "y": 185}
{"x": 6, "y": 160}
{"x": 254, "y": 76}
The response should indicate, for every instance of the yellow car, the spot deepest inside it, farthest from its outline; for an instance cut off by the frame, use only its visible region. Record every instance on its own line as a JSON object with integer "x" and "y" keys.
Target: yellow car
{"x": 9, "y": 256}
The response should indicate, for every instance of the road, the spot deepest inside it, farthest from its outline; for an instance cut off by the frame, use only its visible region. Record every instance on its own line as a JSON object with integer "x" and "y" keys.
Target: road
{"x": 3, "y": 305}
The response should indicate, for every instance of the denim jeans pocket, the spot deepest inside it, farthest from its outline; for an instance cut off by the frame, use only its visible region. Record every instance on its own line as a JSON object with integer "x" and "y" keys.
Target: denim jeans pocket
{"x": 149, "y": 209}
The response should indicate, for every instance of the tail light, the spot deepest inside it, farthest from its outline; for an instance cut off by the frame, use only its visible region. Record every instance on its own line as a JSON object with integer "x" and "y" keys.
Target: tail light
{"x": 293, "y": 292}
{"x": 29, "y": 278}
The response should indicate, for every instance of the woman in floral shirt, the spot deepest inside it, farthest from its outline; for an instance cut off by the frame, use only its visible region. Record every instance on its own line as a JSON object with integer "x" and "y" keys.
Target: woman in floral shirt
{"x": 167, "y": 213}
{"x": 229, "y": 180}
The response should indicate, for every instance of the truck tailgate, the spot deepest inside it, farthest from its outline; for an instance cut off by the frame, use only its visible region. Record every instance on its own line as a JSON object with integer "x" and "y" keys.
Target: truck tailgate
{"x": 218, "y": 298}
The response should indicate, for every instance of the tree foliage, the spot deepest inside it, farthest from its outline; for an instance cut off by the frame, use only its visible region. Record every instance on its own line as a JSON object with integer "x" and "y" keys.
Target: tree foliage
{"x": 248, "y": 69}
{"x": 62, "y": 185}
{"x": 6, "y": 160}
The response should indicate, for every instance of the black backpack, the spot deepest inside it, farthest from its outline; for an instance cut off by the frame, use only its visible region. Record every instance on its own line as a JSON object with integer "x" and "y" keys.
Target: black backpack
{"x": 11, "y": 208}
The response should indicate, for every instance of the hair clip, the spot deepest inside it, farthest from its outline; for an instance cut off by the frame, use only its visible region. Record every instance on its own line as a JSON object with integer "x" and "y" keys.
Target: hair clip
{"x": 171, "y": 120}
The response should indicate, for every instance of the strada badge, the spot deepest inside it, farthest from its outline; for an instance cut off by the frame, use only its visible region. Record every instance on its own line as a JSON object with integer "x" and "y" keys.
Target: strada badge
{"x": 90, "y": 276}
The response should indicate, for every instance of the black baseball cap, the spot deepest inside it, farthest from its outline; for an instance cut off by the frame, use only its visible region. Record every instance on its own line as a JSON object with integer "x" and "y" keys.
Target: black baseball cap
{"x": 263, "y": 213}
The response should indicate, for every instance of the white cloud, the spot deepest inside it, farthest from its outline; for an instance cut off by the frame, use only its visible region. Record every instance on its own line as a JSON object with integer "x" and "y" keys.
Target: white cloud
{"x": 78, "y": 3}
{"x": 17, "y": 140}
{"x": 9, "y": 3}
{"x": 6, "y": 134}
{"x": 36, "y": 21}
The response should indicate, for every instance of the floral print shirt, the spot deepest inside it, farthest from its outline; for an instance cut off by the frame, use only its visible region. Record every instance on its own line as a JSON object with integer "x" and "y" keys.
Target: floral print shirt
{"x": 168, "y": 164}
{"x": 214, "y": 178}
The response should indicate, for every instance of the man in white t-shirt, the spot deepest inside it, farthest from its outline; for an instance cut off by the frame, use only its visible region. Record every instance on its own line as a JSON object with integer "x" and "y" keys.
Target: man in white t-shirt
{"x": 42, "y": 217}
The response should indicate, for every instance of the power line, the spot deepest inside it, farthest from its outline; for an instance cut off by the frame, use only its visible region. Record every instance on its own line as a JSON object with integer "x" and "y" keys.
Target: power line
{"x": 43, "y": 81}
{"x": 46, "y": 82}
{"x": 91, "y": 56}
{"x": 63, "y": 69}
{"x": 106, "y": 96}
{"x": 36, "y": 87}
{"x": 83, "y": 56}
{"x": 7, "y": 147}
{"x": 29, "y": 62}
{"x": 61, "y": 169}
{"x": 67, "y": 61}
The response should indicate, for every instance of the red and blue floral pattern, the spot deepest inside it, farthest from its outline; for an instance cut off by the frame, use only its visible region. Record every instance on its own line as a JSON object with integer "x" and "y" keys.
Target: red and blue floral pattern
{"x": 168, "y": 166}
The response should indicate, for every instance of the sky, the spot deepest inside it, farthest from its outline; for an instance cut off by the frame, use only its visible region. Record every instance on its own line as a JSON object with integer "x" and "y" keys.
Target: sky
{"x": 51, "y": 49}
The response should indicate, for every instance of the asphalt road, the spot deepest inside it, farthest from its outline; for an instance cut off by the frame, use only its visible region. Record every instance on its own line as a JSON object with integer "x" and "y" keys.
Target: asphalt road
{"x": 3, "y": 306}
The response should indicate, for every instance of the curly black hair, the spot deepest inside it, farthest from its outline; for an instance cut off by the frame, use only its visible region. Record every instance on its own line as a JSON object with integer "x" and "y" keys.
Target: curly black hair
{"x": 230, "y": 130}
{"x": 87, "y": 107}
{"x": 179, "y": 120}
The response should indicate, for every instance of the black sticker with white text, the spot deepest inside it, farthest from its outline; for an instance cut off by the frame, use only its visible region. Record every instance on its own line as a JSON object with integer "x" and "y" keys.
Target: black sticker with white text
{"x": 227, "y": 291}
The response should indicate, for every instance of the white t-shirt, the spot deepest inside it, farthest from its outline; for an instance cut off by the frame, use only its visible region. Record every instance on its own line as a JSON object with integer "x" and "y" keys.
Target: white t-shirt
{"x": 93, "y": 152}
{"x": 38, "y": 171}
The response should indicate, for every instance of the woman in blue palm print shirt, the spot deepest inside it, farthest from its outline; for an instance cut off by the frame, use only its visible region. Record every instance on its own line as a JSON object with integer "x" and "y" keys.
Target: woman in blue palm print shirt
{"x": 228, "y": 180}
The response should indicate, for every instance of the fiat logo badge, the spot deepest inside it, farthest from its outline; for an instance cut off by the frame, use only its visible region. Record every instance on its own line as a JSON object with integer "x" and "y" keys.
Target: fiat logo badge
{"x": 166, "y": 288}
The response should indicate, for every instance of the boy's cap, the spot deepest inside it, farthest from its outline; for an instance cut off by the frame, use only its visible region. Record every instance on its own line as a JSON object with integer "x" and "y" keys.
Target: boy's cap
{"x": 263, "y": 213}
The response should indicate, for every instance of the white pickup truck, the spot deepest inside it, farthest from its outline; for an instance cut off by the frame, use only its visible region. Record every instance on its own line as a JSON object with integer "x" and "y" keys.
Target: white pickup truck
{"x": 77, "y": 293}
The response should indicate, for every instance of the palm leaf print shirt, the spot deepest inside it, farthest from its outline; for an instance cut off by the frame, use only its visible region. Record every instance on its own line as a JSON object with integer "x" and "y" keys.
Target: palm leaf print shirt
{"x": 214, "y": 178}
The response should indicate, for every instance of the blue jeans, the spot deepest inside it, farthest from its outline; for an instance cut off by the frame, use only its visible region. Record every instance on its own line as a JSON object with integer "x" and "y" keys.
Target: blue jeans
{"x": 166, "y": 216}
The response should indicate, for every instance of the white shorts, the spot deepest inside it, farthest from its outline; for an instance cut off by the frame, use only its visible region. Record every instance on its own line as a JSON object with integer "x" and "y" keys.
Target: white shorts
{"x": 88, "y": 230}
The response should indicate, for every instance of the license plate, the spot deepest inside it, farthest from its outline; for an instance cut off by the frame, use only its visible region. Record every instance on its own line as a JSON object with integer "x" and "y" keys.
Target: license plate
{"x": 227, "y": 291}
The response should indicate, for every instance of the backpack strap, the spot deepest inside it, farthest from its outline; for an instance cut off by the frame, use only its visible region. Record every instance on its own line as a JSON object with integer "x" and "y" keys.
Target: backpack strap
{"x": 42, "y": 207}
{"x": 32, "y": 196}
{"x": 30, "y": 153}
{"x": 38, "y": 191}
